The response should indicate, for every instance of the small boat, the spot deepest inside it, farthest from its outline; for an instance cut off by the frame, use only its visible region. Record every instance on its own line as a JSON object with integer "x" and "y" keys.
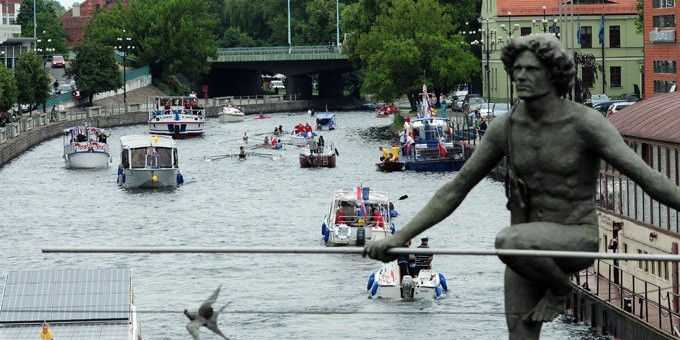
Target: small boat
{"x": 86, "y": 147}
{"x": 148, "y": 162}
{"x": 69, "y": 304}
{"x": 230, "y": 114}
{"x": 300, "y": 139}
{"x": 325, "y": 122}
{"x": 435, "y": 148}
{"x": 350, "y": 221}
{"x": 387, "y": 283}
{"x": 179, "y": 117}
{"x": 390, "y": 166}
{"x": 325, "y": 158}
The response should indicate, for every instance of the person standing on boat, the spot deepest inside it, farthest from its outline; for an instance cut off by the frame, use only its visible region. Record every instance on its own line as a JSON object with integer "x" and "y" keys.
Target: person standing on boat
{"x": 340, "y": 216}
{"x": 245, "y": 137}
{"x": 404, "y": 262}
{"x": 395, "y": 153}
{"x": 423, "y": 261}
{"x": 313, "y": 146}
{"x": 322, "y": 143}
{"x": 554, "y": 148}
{"x": 377, "y": 218}
{"x": 385, "y": 158}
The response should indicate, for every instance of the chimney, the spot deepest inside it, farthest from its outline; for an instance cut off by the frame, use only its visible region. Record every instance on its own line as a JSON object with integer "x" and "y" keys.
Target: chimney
{"x": 76, "y": 9}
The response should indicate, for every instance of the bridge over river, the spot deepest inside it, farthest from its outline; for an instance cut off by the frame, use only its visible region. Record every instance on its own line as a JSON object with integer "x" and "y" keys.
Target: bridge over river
{"x": 238, "y": 71}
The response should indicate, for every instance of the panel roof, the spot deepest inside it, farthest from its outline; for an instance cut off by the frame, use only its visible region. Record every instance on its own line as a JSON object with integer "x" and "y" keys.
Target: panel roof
{"x": 656, "y": 118}
{"x": 552, "y": 8}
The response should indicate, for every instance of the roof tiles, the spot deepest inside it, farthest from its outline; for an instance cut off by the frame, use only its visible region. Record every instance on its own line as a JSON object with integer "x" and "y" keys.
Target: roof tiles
{"x": 535, "y": 7}
{"x": 656, "y": 118}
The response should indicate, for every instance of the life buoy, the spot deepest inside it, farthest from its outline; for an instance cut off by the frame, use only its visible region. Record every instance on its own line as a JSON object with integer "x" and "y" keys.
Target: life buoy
{"x": 437, "y": 291}
{"x": 326, "y": 235}
{"x": 340, "y": 235}
{"x": 393, "y": 229}
{"x": 323, "y": 228}
{"x": 442, "y": 281}
{"x": 371, "y": 279}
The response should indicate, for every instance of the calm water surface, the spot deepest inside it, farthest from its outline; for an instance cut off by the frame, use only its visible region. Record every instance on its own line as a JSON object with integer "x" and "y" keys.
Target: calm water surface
{"x": 259, "y": 202}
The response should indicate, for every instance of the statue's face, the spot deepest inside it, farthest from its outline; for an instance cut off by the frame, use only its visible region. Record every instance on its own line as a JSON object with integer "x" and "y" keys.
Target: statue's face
{"x": 532, "y": 78}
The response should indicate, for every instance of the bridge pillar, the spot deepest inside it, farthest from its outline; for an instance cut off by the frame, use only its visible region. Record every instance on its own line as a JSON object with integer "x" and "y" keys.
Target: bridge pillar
{"x": 233, "y": 82}
{"x": 331, "y": 85}
{"x": 300, "y": 85}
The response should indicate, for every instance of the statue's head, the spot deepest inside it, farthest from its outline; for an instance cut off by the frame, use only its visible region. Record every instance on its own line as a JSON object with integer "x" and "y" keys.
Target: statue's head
{"x": 548, "y": 49}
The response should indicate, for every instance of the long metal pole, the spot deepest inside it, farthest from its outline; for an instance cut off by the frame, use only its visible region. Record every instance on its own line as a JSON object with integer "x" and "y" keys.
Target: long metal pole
{"x": 510, "y": 30}
{"x": 289, "y": 41}
{"x": 360, "y": 250}
{"x": 35, "y": 24}
{"x": 125, "y": 79}
{"x": 337, "y": 24}
{"x": 488, "y": 69}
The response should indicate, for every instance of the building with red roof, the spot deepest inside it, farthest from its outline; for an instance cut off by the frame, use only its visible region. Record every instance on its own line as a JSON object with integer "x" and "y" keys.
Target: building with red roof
{"x": 79, "y": 15}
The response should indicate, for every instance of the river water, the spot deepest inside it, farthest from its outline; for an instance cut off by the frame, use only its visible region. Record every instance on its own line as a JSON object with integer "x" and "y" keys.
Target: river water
{"x": 264, "y": 201}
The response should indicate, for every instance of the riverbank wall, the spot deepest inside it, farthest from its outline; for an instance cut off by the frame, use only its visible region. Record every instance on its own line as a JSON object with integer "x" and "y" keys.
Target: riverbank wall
{"x": 36, "y": 127}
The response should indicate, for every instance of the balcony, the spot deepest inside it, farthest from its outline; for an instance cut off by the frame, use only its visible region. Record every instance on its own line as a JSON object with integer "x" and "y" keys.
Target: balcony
{"x": 663, "y": 36}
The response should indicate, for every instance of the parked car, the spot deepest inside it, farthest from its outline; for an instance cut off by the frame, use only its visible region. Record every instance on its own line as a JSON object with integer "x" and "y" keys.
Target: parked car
{"x": 58, "y": 62}
{"x": 491, "y": 110}
{"x": 616, "y": 107}
{"x": 604, "y": 106}
{"x": 472, "y": 102}
{"x": 628, "y": 97}
{"x": 458, "y": 103}
{"x": 596, "y": 99}
{"x": 276, "y": 84}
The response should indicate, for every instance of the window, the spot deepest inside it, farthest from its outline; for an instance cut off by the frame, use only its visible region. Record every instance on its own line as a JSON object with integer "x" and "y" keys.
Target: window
{"x": 588, "y": 77}
{"x": 614, "y": 36}
{"x": 663, "y": 86}
{"x": 615, "y": 76}
{"x": 663, "y": 3}
{"x": 525, "y": 31}
{"x": 665, "y": 66}
{"x": 640, "y": 265}
{"x": 663, "y": 21}
{"x": 586, "y": 37}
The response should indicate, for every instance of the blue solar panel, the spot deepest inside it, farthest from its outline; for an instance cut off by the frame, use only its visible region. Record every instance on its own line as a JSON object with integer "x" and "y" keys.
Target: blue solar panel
{"x": 70, "y": 294}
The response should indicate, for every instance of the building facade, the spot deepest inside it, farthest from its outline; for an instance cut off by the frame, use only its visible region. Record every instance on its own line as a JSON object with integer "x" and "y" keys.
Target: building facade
{"x": 661, "y": 48}
{"x": 79, "y": 15}
{"x": 578, "y": 27}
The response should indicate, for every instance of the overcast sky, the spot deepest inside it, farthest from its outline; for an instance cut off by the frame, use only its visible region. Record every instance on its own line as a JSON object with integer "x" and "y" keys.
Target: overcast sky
{"x": 68, "y": 3}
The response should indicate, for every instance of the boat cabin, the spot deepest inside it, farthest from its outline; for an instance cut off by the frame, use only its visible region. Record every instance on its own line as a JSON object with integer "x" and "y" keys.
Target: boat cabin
{"x": 157, "y": 152}
{"x": 325, "y": 121}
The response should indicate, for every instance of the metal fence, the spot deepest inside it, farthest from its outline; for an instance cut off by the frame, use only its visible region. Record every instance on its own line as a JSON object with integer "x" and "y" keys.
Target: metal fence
{"x": 278, "y": 50}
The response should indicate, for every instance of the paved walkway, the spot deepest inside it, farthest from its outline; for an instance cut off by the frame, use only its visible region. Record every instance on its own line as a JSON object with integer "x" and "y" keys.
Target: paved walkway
{"x": 137, "y": 96}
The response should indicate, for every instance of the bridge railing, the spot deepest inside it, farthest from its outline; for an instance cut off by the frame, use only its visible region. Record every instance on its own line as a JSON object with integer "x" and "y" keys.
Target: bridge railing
{"x": 322, "y": 49}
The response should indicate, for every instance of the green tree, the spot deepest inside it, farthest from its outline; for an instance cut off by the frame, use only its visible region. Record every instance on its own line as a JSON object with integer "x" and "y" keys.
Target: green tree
{"x": 640, "y": 20}
{"x": 409, "y": 45}
{"x": 32, "y": 79}
{"x": 49, "y": 26}
{"x": 171, "y": 36}
{"x": 320, "y": 26}
{"x": 8, "y": 89}
{"x": 233, "y": 37}
{"x": 95, "y": 69}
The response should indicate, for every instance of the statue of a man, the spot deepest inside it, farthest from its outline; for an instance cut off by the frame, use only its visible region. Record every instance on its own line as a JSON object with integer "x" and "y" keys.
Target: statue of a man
{"x": 554, "y": 147}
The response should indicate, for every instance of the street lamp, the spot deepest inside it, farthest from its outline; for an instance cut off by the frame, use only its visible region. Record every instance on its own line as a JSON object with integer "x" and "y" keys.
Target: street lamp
{"x": 544, "y": 22}
{"x": 510, "y": 29}
{"x": 125, "y": 46}
{"x": 44, "y": 48}
{"x": 488, "y": 46}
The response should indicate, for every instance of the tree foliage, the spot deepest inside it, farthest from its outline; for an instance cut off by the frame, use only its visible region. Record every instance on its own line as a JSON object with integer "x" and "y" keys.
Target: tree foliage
{"x": 8, "y": 89}
{"x": 410, "y": 44}
{"x": 32, "y": 79}
{"x": 640, "y": 20}
{"x": 95, "y": 69}
{"x": 171, "y": 36}
{"x": 49, "y": 26}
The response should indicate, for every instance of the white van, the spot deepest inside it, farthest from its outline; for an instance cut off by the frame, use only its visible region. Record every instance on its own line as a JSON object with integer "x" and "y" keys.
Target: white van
{"x": 276, "y": 84}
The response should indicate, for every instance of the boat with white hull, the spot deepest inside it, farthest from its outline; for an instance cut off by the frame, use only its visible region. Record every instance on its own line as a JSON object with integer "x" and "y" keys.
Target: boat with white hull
{"x": 350, "y": 222}
{"x": 230, "y": 114}
{"x": 85, "y": 147}
{"x": 148, "y": 162}
{"x": 387, "y": 283}
{"x": 179, "y": 117}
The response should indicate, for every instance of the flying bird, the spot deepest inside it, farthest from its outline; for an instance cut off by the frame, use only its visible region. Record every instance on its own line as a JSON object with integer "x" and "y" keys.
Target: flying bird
{"x": 206, "y": 316}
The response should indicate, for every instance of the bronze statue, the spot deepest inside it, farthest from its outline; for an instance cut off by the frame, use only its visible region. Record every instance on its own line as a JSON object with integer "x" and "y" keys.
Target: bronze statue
{"x": 553, "y": 147}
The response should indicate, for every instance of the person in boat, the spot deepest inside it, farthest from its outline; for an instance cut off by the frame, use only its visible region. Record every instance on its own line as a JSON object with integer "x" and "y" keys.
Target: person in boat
{"x": 266, "y": 142}
{"x": 408, "y": 146}
{"x": 280, "y": 129}
{"x": 242, "y": 153}
{"x": 261, "y": 115}
{"x": 405, "y": 262}
{"x": 80, "y": 137}
{"x": 308, "y": 129}
{"x": 279, "y": 144}
{"x": 321, "y": 143}
{"x": 423, "y": 261}
{"x": 168, "y": 106}
{"x": 299, "y": 129}
{"x": 313, "y": 145}
{"x": 245, "y": 137}
{"x": 340, "y": 216}
{"x": 102, "y": 136}
{"x": 276, "y": 131}
{"x": 395, "y": 153}
{"x": 386, "y": 156}
{"x": 377, "y": 218}
{"x": 550, "y": 188}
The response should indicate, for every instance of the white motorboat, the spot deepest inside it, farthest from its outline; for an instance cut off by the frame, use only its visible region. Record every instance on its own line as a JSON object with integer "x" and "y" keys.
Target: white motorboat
{"x": 85, "y": 147}
{"x": 387, "y": 283}
{"x": 69, "y": 304}
{"x": 352, "y": 221}
{"x": 148, "y": 162}
{"x": 179, "y": 117}
{"x": 230, "y": 114}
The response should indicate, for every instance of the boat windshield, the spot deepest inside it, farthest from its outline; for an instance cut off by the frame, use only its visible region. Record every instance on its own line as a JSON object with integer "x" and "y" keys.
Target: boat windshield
{"x": 152, "y": 157}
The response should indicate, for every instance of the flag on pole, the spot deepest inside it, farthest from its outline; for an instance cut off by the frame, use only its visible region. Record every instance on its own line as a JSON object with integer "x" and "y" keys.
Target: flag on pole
{"x": 358, "y": 193}
{"x": 578, "y": 30}
{"x": 601, "y": 34}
